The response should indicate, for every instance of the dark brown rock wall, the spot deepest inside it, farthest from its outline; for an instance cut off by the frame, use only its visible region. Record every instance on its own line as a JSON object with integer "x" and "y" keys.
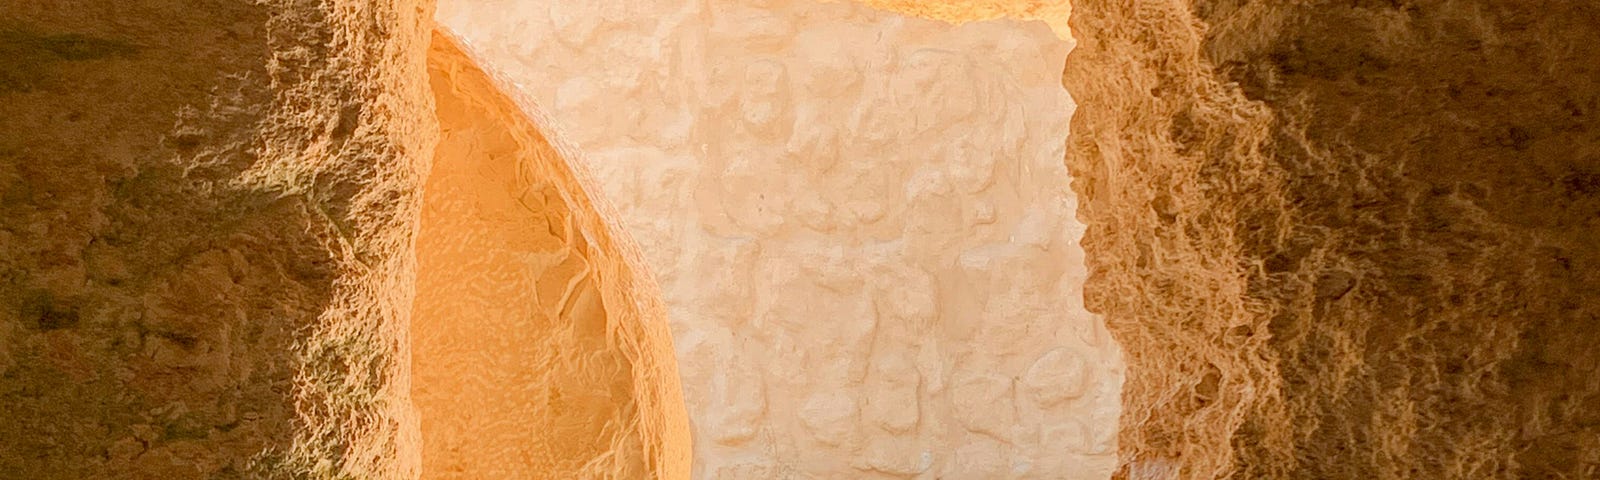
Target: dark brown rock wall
{"x": 205, "y": 214}
{"x": 1346, "y": 239}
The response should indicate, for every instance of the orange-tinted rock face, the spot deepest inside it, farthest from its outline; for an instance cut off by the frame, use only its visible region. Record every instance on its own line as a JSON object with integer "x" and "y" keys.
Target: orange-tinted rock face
{"x": 540, "y": 350}
{"x": 205, "y": 214}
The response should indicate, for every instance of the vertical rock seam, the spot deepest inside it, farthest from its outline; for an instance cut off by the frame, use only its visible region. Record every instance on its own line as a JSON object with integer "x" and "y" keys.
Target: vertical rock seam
{"x": 1345, "y": 239}
{"x": 540, "y": 345}
{"x": 1163, "y": 157}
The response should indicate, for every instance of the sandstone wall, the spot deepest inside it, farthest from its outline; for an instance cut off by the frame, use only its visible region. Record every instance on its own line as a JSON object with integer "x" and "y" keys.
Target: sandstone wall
{"x": 860, "y": 220}
{"x": 1345, "y": 239}
{"x": 538, "y": 350}
{"x": 205, "y": 220}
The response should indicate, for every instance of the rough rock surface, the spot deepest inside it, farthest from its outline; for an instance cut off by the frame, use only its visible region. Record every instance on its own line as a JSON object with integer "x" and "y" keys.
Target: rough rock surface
{"x": 1346, "y": 239}
{"x": 861, "y": 222}
{"x": 541, "y": 348}
{"x": 205, "y": 221}
{"x": 1337, "y": 239}
{"x": 1053, "y": 12}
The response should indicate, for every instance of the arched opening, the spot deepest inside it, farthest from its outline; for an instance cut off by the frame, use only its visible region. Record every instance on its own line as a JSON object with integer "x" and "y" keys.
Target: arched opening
{"x": 538, "y": 351}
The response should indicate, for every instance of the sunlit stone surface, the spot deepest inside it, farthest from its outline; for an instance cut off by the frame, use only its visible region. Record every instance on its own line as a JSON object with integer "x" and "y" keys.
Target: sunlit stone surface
{"x": 861, "y": 222}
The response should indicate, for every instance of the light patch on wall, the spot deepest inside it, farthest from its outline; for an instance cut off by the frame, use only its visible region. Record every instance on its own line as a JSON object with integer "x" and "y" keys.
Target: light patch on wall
{"x": 861, "y": 222}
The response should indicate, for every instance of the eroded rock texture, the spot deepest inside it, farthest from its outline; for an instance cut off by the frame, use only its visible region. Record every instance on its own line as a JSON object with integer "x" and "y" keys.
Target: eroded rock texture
{"x": 1345, "y": 239}
{"x": 861, "y": 222}
{"x": 541, "y": 348}
{"x": 205, "y": 219}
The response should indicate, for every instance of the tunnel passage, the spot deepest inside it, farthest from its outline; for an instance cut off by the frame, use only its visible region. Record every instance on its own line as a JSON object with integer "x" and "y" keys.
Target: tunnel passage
{"x": 1338, "y": 239}
{"x": 539, "y": 346}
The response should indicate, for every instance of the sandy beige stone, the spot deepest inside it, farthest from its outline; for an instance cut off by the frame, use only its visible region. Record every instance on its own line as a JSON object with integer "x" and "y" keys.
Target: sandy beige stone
{"x": 860, "y": 219}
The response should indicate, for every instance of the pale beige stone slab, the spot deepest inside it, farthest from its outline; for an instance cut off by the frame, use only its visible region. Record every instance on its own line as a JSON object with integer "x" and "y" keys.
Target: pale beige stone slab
{"x": 861, "y": 223}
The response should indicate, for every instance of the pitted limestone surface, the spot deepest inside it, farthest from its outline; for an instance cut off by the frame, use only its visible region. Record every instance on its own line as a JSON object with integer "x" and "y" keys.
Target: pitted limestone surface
{"x": 861, "y": 222}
